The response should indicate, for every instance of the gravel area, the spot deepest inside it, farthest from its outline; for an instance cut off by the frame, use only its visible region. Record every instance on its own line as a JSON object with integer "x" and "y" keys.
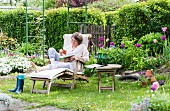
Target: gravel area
{"x": 19, "y": 105}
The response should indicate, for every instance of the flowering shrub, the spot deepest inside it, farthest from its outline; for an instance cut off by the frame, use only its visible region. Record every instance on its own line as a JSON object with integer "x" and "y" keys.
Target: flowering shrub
{"x": 12, "y": 64}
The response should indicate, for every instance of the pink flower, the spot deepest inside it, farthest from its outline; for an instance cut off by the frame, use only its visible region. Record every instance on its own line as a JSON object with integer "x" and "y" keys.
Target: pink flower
{"x": 138, "y": 45}
{"x": 154, "y": 41}
{"x": 100, "y": 45}
{"x": 155, "y": 86}
{"x": 163, "y": 37}
{"x": 122, "y": 46}
{"x": 164, "y": 29}
{"x": 101, "y": 39}
{"x": 112, "y": 43}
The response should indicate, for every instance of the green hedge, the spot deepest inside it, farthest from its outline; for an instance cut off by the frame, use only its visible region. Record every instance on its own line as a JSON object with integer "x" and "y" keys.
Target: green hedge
{"x": 133, "y": 21}
{"x": 56, "y": 23}
{"x": 136, "y": 20}
{"x": 13, "y": 22}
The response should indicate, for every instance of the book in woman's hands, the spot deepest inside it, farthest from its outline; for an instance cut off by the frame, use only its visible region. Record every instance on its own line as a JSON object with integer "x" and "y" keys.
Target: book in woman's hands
{"x": 66, "y": 58}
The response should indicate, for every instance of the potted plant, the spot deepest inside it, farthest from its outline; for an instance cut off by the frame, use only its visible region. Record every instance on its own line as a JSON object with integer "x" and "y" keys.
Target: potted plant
{"x": 143, "y": 78}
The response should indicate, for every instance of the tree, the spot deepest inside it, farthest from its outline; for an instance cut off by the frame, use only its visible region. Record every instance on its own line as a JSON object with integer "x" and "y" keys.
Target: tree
{"x": 73, "y": 3}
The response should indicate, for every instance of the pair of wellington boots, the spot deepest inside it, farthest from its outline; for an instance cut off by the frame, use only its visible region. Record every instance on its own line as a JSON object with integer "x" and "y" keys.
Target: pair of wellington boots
{"x": 19, "y": 85}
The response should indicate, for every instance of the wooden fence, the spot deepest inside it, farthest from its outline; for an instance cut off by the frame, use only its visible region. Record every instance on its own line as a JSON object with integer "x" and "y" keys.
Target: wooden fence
{"x": 97, "y": 32}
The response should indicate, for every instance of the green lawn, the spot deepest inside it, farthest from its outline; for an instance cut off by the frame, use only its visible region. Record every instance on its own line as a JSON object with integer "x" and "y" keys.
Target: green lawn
{"x": 84, "y": 96}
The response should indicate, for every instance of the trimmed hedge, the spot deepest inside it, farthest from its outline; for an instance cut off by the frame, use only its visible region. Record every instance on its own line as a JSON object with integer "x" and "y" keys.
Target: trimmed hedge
{"x": 137, "y": 20}
{"x": 133, "y": 21}
{"x": 56, "y": 23}
{"x": 13, "y": 22}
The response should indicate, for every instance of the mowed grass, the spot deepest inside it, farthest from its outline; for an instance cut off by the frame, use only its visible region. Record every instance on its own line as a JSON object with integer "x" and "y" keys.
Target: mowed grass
{"x": 84, "y": 96}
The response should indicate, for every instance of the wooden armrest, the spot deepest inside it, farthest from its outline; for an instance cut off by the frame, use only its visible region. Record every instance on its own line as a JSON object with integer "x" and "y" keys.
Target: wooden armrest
{"x": 81, "y": 61}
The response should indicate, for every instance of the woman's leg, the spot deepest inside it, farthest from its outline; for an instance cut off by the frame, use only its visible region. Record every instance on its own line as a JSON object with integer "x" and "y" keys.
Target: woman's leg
{"x": 38, "y": 69}
{"x": 53, "y": 55}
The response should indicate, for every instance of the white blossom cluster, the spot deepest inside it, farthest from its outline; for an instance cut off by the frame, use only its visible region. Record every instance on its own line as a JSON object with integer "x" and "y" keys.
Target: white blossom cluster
{"x": 7, "y": 64}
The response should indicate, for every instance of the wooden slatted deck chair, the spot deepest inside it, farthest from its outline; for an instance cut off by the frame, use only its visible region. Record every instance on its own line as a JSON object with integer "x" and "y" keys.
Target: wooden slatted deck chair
{"x": 48, "y": 76}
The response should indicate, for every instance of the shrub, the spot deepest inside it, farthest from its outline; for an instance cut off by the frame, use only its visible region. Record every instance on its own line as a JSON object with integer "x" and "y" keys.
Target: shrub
{"x": 73, "y": 3}
{"x": 139, "y": 19}
{"x": 147, "y": 42}
{"x": 6, "y": 42}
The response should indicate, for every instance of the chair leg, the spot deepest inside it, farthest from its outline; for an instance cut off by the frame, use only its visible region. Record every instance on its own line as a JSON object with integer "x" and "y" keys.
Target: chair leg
{"x": 83, "y": 78}
{"x": 73, "y": 81}
{"x": 33, "y": 84}
{"x": 49, "y": 86}
{"x": 44, "y": 83}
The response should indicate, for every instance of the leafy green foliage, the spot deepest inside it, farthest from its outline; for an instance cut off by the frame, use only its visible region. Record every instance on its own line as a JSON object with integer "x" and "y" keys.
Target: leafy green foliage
{"x": 147, "y": 42}
{"x": 6, "y": 42}
{"x": 139, "y": 19}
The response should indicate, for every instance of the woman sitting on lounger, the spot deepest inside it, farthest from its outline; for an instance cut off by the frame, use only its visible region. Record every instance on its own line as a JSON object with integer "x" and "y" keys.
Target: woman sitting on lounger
{"x": 76, "y": 50}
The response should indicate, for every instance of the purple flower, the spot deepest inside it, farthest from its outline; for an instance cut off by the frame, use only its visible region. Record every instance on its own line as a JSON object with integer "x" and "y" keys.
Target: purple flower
{"x": 163, "y": 37}
{"x": 155, "y": 86}
{"x": 164, "y": 29}
{"x": 101, "y": 39}
{"x": 161, "y": 82}
{"x": 100, "y": 45}
{"x": 141, "y": 73}
{"x": 122, "y": 46}
{"x": 138, "y": 45}
{"x": 112, "y": 43}
{"x": 10, "y": 54}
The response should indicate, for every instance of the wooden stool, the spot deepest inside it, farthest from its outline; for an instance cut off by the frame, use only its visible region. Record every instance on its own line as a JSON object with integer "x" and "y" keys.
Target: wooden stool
{"x": 109, "y": 69}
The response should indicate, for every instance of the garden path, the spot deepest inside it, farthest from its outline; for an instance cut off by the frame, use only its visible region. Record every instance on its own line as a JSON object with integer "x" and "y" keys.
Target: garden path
{"x": 19, "y": 105}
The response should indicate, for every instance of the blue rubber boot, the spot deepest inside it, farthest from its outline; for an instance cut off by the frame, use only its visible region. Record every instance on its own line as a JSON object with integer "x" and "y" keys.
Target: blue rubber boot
{"x": 20, "y": 84}
{"x": 15, "y": 87}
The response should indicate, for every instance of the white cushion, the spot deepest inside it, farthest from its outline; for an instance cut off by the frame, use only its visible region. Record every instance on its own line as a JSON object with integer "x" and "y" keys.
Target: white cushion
{"x": 49, "y": 74}
{"x": 67, "y": 39}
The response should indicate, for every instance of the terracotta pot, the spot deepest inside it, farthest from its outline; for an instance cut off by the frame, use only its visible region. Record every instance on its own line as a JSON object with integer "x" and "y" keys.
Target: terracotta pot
{"x": 144, "y": 83}
{"x": 148, "y": 73}
{"x": 153, "y": 79}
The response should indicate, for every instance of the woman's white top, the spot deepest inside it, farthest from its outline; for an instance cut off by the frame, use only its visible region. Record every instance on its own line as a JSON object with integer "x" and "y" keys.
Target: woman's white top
{"x": 79, "y": 51}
